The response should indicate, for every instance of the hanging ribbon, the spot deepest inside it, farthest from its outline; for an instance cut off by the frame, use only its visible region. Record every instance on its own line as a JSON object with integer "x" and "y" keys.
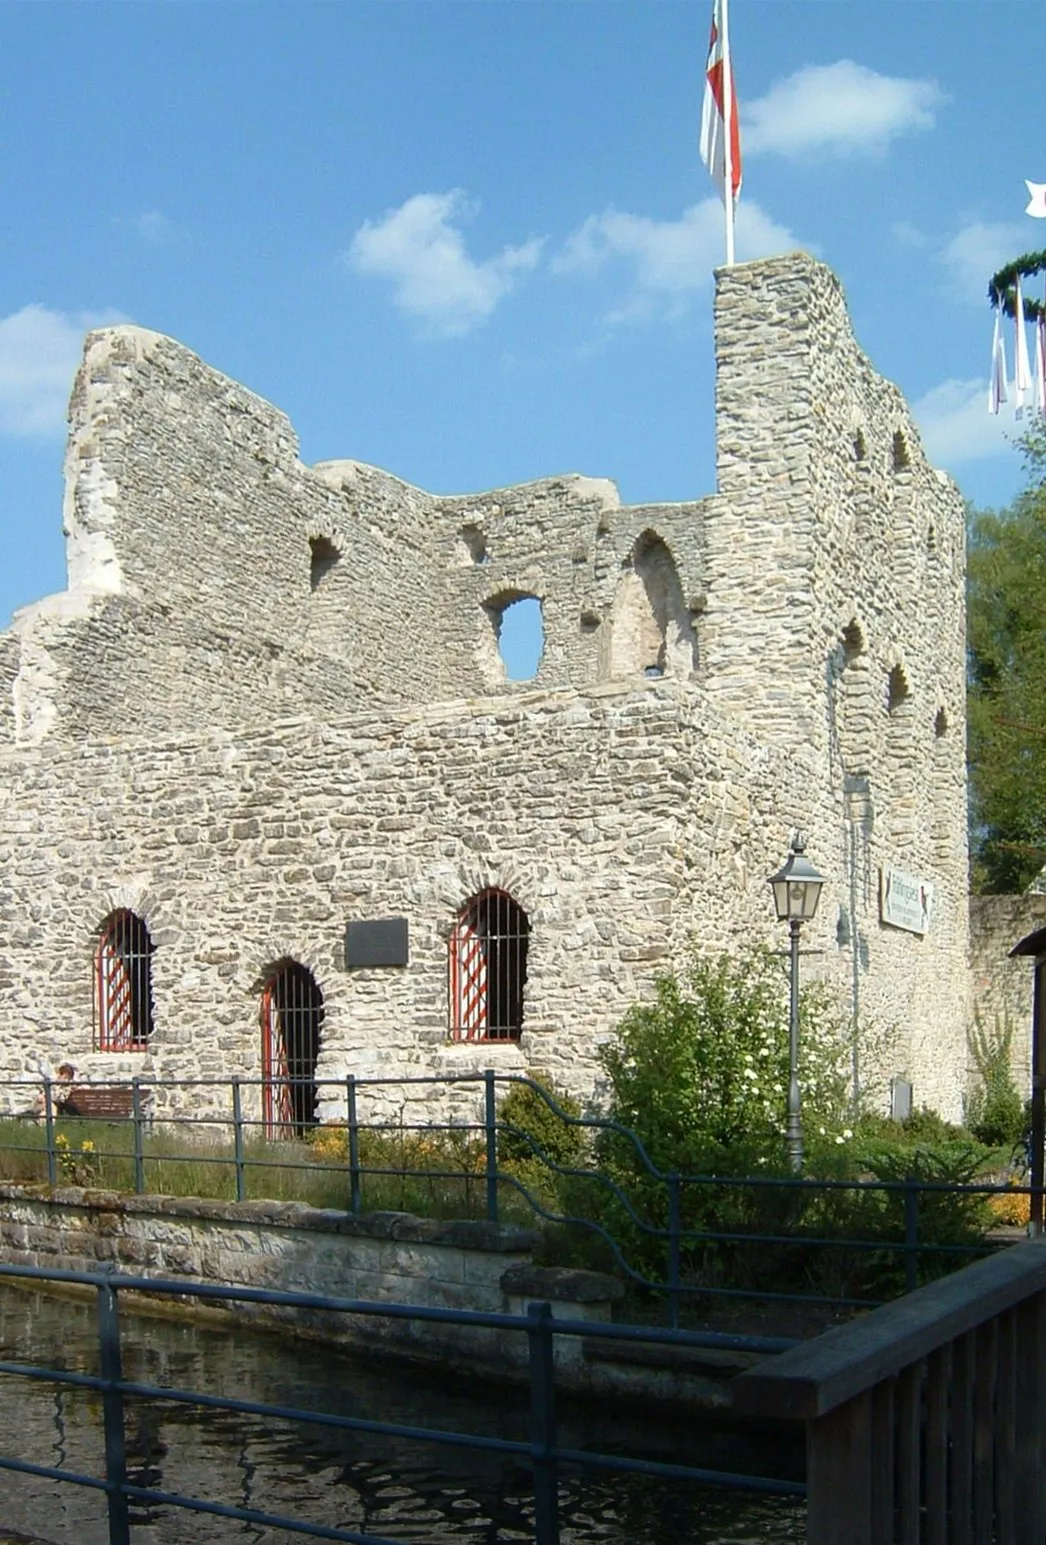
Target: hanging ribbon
{"x": 997, "y": 393}
{"x": 1021, "y": 362}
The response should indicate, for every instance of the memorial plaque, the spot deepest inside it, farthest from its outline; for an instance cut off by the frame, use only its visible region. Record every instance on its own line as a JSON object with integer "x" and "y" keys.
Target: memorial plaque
{"x": 380, "y": 942}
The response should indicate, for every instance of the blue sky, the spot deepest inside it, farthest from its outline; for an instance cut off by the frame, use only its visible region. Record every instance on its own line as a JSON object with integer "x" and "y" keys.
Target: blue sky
{"x": 471, "y": 241}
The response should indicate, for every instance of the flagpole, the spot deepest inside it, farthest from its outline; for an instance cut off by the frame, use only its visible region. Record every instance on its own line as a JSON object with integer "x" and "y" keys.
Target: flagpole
{"x": 728, "y": 146}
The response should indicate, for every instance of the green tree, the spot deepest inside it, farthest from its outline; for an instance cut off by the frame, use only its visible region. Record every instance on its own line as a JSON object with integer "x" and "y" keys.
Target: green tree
{"x": 1006, "y": 700}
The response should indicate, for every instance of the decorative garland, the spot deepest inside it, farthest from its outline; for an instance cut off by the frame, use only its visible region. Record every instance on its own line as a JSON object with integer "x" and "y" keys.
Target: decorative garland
{"x": 1002, "y": 287}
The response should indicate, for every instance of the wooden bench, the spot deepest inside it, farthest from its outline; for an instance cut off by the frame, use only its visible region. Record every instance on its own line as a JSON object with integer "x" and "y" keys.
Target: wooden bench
{"x": 96, "y": 1102}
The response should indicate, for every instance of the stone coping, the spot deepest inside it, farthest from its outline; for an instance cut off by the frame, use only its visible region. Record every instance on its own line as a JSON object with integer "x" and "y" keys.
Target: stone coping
{"x": 404, "y": 1227}
{"x": 561, "y": 1284}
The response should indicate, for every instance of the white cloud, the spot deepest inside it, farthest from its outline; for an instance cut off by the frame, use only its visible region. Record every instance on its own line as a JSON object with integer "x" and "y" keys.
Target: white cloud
{"x": 979, "y": 250}
{"x": 842, "y": 108}
{"x": 154, "y": 228}
{"x": 956, "y": 426}
{"x": 670, "y": 259}
{"x": 421, "y": 249}
{"x": 910, "y": 235}
{"x": 39, "y": 352}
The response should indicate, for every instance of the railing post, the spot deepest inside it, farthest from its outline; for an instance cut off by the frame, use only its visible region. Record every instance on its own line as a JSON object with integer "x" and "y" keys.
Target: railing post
{"x": 139, "y": 1140}
{"x": 353, "y": 1135}
{"x": 839, "y": 1475}
{"x": 237, "y": 1140}
{"x": 1030, "y": 1422}
{"x": 911, "y": 1233}
{"x": 52, "y": 1155}
{"x": 543, "y": 1424}
{"x": 111, "y": 1370}
{"x": 491, "y": 1123}
{"x": 673, "y": 1251}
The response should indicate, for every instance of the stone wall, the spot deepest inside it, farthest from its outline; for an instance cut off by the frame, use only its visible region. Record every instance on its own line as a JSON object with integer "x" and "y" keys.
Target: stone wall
{"x": 405, "y": 813}
{"x": 281, "y": 1246}
{"x": 379, "y": 1258}
{"x": 1002, "y": 988}
{"x": 271, "y": 702}
{"x": 835, "y": 566}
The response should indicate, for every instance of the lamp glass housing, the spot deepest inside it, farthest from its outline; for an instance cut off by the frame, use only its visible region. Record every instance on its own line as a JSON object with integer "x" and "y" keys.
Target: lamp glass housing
{"x": 797, "y": 889}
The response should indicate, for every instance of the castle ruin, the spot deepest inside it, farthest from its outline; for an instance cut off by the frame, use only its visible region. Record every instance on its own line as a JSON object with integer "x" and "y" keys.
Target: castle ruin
{"x": 270, "y": 704}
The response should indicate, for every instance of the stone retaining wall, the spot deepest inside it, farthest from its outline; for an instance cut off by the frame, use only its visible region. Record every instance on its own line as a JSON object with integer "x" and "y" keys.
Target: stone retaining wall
{"x": 389, "y": 1257}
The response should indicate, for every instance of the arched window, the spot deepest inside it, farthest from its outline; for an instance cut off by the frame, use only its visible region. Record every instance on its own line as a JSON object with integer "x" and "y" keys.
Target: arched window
{"x": 519, "y": 633}
{"x": 123, "y": 983}
{"x": 652, "y": 631}
{"x": 488, "y": 968}
{"x": 291, "y": 1020}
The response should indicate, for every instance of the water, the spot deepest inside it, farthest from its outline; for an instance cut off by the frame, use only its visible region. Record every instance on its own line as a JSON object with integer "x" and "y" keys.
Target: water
{"x": 404, "y": 1491}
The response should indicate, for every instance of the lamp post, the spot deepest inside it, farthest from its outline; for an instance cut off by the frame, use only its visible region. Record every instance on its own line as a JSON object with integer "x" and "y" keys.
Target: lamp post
{"x": 797, "y": 890}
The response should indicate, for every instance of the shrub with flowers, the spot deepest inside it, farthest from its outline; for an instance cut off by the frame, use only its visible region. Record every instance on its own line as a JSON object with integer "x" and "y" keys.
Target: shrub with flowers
{"x": 701, "y": 1073}
{"x": 1011, "y": 1209}
{"x": 79, "y": 1166}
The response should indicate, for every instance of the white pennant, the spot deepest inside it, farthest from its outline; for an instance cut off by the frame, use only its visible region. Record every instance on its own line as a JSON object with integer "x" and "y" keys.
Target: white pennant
{"x": 997, "y": 394}
{"x": 1021, "y": 362}
{"x": 1040, "y": 366}
{"x": 1037, "y": 203}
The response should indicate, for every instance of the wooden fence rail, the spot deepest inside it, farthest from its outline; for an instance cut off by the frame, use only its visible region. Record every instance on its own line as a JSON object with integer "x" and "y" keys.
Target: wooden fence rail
{"x": 926, "y": 1418}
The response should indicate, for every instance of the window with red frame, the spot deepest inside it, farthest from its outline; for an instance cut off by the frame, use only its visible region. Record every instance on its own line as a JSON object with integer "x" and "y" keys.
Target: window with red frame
{"x": 488, "y": 968}
{"x": 123, "y": 984}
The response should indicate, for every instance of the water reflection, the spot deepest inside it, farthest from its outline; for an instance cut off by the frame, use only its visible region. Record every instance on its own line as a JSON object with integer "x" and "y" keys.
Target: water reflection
{"x": 401, "y": 1490}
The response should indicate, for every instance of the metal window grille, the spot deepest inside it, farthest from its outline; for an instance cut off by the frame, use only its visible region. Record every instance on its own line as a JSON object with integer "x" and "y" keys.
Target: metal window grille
{"x": 124, "y": 984}
{"x": 488, "y": 968}
{"x": 291, "y": 1017}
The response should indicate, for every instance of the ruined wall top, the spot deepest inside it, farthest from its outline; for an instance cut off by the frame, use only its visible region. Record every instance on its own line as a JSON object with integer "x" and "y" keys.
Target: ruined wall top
{"x": 213, "y": 578}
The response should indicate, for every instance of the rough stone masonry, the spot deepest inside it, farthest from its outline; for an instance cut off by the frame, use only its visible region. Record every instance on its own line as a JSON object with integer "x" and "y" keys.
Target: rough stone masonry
{"x": 271, "y": 703}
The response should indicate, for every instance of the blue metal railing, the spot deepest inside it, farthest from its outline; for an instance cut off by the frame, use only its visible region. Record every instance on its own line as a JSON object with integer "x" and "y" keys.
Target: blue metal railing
{"x": 541, "y": 1450}
{"x": 671, "y": 1240}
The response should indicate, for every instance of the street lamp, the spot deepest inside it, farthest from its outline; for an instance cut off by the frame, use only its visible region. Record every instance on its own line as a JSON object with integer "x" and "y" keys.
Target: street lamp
{"x": 797, "y": 890}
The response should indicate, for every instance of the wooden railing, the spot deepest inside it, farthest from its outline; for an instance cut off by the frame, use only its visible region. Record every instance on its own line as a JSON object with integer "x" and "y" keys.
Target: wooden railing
{"x": 926, "y": 1418}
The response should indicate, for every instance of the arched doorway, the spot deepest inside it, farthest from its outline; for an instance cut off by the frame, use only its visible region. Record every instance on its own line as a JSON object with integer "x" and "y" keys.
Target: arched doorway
{"x": 123, "y": 983}
{"x": 488, "y": 968}
{"x": 291, "y": 1020}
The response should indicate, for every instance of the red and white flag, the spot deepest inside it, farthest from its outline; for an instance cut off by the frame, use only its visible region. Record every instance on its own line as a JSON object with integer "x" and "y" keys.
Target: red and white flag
{"x": 720, "y": 149}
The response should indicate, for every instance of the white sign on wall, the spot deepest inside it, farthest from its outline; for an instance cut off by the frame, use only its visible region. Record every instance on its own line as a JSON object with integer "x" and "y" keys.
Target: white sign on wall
{"x": 905, "y": 900}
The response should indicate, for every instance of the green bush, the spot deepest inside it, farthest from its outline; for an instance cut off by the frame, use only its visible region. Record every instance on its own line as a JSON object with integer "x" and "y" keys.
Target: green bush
{"x": 701, "y": 1073}
{"x": 536, "y": 1143}
{"x": 530, "y": 1125}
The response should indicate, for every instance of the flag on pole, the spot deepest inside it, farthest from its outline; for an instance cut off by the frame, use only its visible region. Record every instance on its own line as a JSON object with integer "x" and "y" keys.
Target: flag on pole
{"x": 1040, "y": 366}
{"x": 997, "y": 393}
{"x": 720, "y": 132}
